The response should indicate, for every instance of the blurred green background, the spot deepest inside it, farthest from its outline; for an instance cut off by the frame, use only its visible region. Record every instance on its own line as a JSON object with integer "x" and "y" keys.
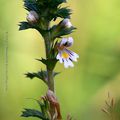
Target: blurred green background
{"x": 81, "y": 90}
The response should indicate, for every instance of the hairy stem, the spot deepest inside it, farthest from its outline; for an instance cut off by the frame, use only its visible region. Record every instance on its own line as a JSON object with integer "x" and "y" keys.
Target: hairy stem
{"x": 49, "y": 71}
{"x": 50, "y": 80}
{"x": 48, "y": 45}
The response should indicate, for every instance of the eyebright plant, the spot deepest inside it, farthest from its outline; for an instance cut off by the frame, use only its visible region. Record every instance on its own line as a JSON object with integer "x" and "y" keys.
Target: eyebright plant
{"x": 40, "y": 15}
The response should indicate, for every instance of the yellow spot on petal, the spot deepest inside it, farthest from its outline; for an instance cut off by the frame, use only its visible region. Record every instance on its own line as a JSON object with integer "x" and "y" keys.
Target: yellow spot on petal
{"x": 65, "y": 55}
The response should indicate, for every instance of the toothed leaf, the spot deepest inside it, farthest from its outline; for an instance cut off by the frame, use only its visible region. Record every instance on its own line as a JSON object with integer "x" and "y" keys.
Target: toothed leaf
{"x": 41, "y": 75}
{"x": 66, "y": 31}
{"x": 31, "y": 5}
{"x": 44, "y": 107}
{"x": 24, "y": 26}
{"x": 59, "y": 33}
{"x": 56, "y": 2}
{"x": 63, "y": 12}
{"x": 49, "y": 62}
{"x": 33, "y": 113}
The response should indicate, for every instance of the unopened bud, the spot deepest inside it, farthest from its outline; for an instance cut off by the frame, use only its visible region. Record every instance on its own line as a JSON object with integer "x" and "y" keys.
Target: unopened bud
{"x": 66, "y": 23}
{"x": 32, "y": 17}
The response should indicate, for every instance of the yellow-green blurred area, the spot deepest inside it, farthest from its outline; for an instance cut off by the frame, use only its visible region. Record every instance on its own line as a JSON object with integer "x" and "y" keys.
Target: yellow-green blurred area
{"x": 81, "y": 90}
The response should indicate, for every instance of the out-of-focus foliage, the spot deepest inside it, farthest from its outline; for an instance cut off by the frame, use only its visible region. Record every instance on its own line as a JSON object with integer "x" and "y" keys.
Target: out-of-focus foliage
{"x": 112, "y": 108}
{"x": 81, "y": 90}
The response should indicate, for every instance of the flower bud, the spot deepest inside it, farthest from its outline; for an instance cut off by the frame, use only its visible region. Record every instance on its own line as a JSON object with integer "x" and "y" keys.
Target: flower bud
{"x": 32, "y": 17}
{"x": 66, "y": 23}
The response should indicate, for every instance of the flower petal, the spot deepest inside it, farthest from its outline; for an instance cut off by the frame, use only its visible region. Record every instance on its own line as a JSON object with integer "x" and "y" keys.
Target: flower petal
{"x": 59, "y": 57}
{"x": 68, "y": 63}
{"x": 70, "y": 42}
{"x": 63, "y": 41}
{"x": 72, "y": 55}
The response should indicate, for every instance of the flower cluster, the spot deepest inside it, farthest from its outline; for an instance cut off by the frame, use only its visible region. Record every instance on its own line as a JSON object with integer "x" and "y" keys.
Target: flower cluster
{"x": 64, "y": 55}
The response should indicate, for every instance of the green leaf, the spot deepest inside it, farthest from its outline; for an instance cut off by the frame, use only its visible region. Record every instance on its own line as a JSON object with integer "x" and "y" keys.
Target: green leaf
{"x": 24, "y": 26}
{"x": 54, "y": 3}
{"x": 66, "y": 31}
{"x": 33, "y": 113}
{"x": 31, "y": 5}
{"x": 57, "y": 33}
{"x": 41, "y": 75}
{"x": 63, "y": 12}
{"x": 44, "y": 107}
{"x": 50, "y": 63}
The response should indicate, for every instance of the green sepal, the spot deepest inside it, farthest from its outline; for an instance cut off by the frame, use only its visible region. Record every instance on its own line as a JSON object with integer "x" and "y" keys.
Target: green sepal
{"x": 50, "y": 63}
{"x": 33, "y": 113}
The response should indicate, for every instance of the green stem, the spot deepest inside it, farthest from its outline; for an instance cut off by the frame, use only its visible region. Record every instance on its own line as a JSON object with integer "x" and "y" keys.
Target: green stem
{"x": 48, "y": 45}
{"x": 50, "y": 80}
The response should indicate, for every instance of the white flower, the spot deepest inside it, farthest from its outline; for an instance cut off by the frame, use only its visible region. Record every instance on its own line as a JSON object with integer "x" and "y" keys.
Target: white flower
{"x": 66, "y": 22}
{"x": 64, "y": 55}
{"x": 32, "y": 17}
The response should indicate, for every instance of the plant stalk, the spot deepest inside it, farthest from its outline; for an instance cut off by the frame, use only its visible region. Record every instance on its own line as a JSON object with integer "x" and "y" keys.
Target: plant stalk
{"x": 49, "y": 71}
{"x": 48, "y": 45}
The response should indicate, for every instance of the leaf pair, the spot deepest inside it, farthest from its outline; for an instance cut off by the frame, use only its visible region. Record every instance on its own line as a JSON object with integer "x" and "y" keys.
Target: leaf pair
{"x": 43, "y": 75}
